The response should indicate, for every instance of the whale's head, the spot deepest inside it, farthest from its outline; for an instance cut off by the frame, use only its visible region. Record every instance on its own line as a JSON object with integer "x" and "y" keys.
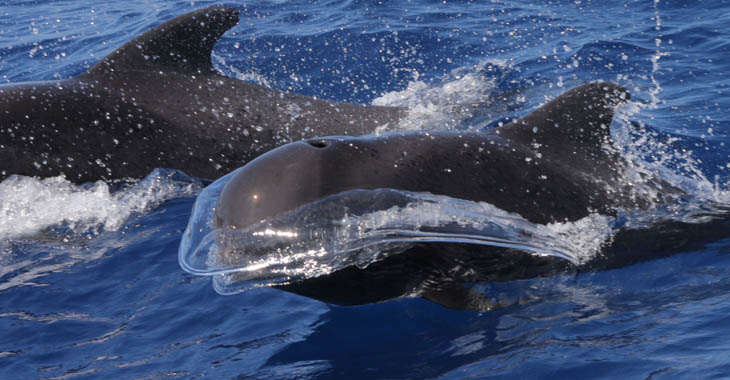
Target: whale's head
{"x": 275, "y": 182}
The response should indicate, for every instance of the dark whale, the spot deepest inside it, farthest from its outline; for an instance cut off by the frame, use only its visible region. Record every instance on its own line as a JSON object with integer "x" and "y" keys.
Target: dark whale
{"x": 158, "y": 102}
{"x": 557, "y": 164}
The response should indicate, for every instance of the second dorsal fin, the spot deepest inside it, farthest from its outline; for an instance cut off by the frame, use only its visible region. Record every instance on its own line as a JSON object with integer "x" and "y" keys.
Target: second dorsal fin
{"x": 577, "y": 120}
{"x": 182, "y": 44}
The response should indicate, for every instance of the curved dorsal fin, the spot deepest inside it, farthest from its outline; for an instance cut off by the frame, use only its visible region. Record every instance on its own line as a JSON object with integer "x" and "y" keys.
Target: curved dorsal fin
{"x": 183, "y": 44}
{"x": 577, "y": 120}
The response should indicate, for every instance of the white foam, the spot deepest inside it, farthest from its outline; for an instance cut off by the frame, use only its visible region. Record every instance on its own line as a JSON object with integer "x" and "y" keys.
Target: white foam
{"x": 577, "y": 241}
{"x": 586, "y": 237}
{"x": 652, "y": 155}
{"x": 443, "y": 105}
{"x": 249, "y": 76}
{"x": 29, "y": 205}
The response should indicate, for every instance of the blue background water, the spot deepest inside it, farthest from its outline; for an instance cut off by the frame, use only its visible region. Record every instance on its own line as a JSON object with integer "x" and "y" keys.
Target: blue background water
{"x": 116, "y": 304}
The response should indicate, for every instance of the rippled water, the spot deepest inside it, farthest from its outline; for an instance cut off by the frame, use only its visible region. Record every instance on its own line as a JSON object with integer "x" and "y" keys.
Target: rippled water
{"x": 90, "y": 279}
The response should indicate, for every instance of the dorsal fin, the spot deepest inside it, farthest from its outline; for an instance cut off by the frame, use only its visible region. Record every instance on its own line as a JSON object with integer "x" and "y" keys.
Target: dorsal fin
{"x": 577, "y": 120}
{"x": 182, "y": 44}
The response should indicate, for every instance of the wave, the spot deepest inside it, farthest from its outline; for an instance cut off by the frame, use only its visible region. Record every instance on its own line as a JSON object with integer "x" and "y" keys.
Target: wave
{"x": 30, "y": 206}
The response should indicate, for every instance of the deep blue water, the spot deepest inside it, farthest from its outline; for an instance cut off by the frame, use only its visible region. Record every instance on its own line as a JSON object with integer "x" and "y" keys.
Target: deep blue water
{"x": 98, "y": 292}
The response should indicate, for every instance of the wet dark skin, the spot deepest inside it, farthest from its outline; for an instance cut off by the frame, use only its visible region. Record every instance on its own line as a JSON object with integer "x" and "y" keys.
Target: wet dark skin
{"x": 157, "y": 102}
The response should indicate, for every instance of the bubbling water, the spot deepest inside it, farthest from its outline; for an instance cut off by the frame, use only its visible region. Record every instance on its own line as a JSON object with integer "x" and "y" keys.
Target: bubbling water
{"x": 30, "y": 205}
{"x": 446, "y": 104}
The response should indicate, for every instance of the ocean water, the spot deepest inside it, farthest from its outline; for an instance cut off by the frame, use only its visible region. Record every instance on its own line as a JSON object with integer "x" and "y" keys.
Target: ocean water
{"x": 90, "y": 284}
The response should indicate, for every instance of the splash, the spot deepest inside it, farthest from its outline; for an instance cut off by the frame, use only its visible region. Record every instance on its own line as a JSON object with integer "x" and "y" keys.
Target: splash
{"x": 49, "y": 225}
{"x": 658, "y": 54}
{"x": 227, "y": 69}
{"x": 29, "y": 206}
{"x": 446, "y": 104}
{"x": 654, "y": 154}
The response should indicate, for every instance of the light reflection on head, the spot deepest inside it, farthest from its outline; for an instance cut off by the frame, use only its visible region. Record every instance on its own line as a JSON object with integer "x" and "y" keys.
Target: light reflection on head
{"x": 277, "y": 233}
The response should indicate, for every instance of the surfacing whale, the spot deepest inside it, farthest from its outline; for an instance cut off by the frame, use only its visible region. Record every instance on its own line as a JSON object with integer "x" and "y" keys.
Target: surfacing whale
{"x": 557, "y": 164}
{"x": 157, "y": 102}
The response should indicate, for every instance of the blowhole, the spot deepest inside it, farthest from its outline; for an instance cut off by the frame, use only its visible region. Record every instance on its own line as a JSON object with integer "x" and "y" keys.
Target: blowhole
{"x": 318, "y": 143}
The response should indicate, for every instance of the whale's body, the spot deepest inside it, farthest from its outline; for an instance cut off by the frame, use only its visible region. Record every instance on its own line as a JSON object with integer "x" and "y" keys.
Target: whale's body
{"x": 157, "y": 102}
{"x": 557, "y": 164}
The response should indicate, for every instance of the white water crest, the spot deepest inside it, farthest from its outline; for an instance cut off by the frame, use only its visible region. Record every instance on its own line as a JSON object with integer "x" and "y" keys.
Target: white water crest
{"x": 445, "y": 104}
{"x": 48, "y": 225}
{"x": 226, "y": 69}
{"x": 651, "y": 154}
{"x": 29, "y": 206}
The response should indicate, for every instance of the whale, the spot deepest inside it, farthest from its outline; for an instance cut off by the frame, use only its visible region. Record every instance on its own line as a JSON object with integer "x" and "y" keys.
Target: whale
{"x": 557, "y": 164}
{"x": 158, "y": 102}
